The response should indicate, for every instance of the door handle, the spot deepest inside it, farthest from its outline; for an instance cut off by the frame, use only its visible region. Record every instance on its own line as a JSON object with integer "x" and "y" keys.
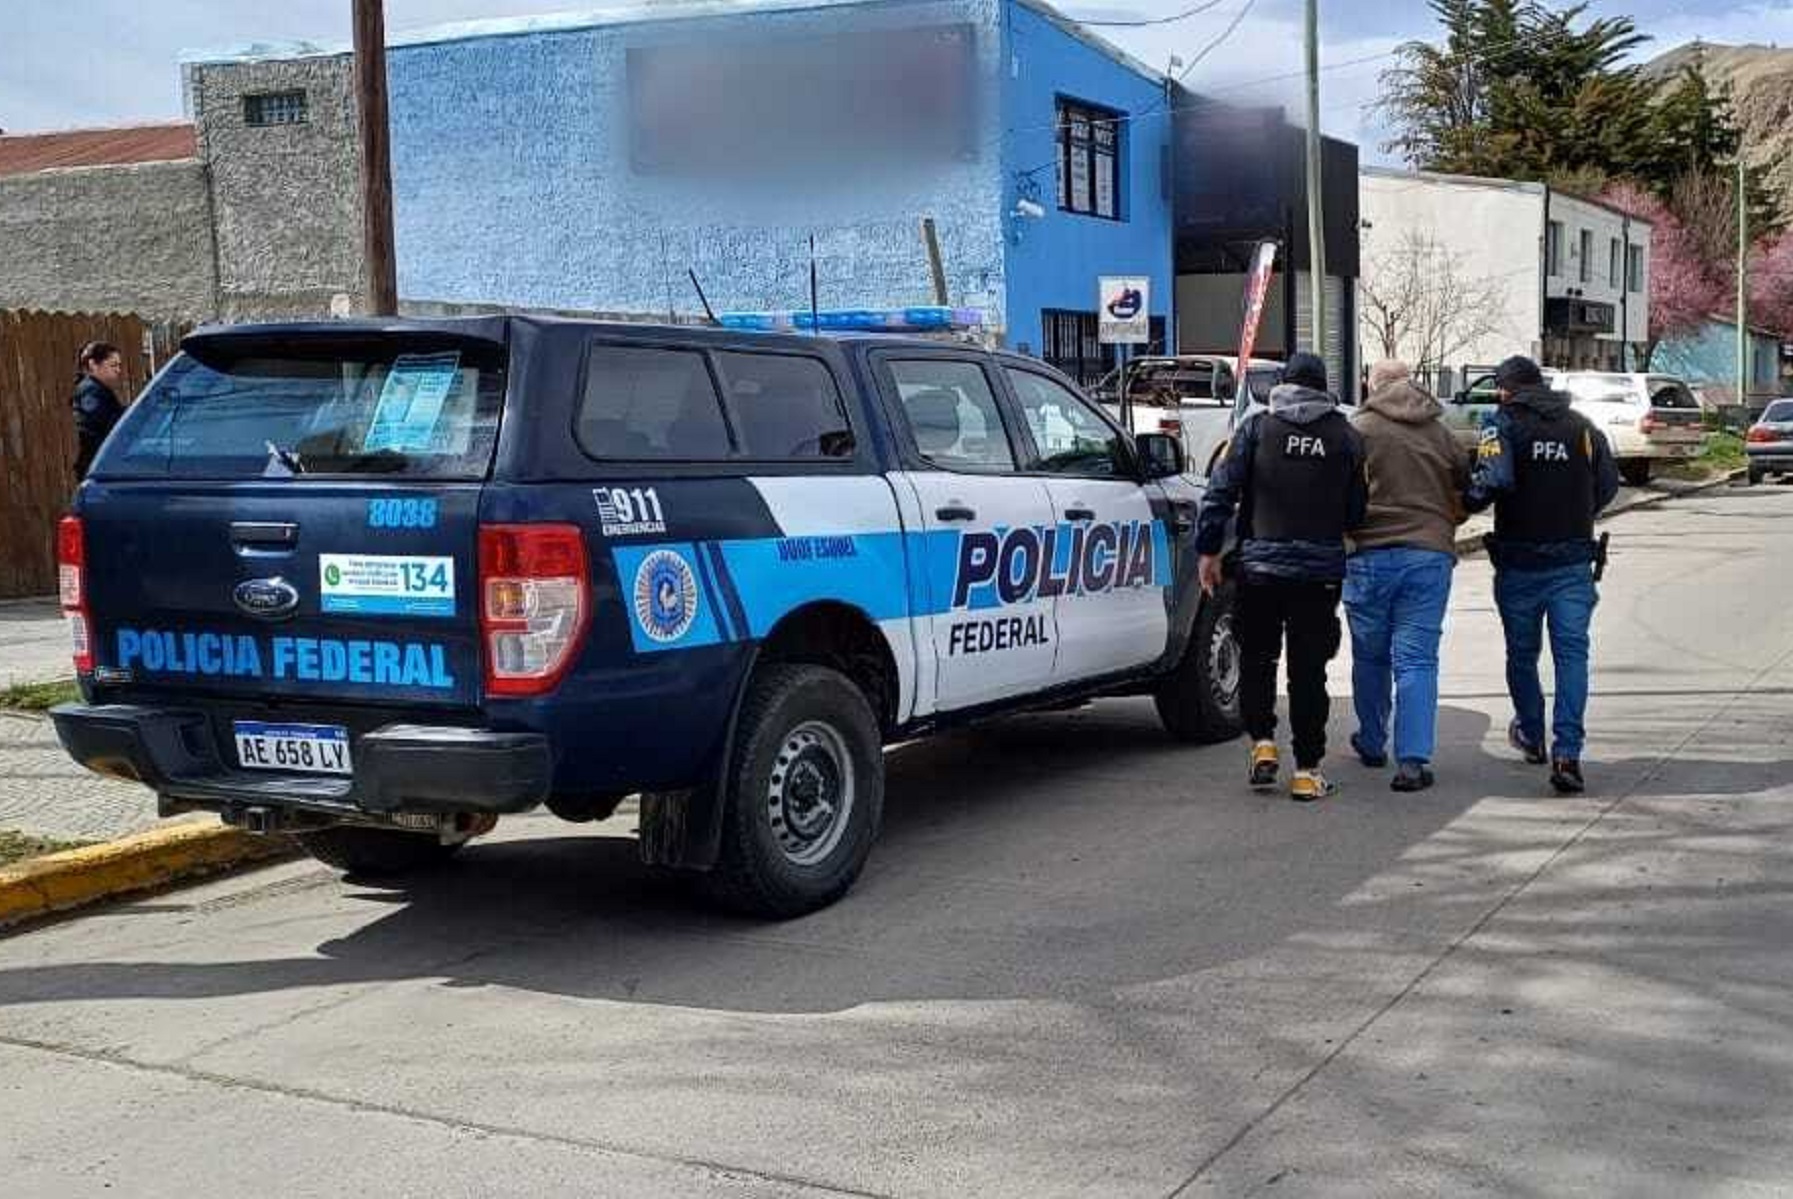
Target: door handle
{"x": 955, "y": 512}
{"x": 1182, "y": 518}
{"x": 1080, "y": 514}
{"x": 263, "y": 532}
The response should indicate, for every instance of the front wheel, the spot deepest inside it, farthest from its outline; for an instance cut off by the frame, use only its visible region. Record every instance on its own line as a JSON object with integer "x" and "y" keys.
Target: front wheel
{"x": 1199, "y": 700}
{"x": 804, "y": 794}
{"x": 1635, "y": 471}
{"x": 376, "y": 852}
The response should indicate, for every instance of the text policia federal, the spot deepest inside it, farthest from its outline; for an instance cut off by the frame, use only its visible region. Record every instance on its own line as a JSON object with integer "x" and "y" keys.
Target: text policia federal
{"x": 305, "y": 659}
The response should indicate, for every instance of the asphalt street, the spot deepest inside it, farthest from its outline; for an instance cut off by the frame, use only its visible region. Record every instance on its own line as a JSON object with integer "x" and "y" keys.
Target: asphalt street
{"x": 1083, "y": 961}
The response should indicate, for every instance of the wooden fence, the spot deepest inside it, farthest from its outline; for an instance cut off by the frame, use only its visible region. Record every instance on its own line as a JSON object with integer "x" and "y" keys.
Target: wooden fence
{"x": 37, "y": 432}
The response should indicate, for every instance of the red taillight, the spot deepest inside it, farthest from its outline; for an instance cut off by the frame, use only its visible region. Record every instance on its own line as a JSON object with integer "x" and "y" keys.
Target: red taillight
{"x": 71, "y": 585}
{"x": 1759, "y": 435}
{"x": 1171, "y": 425}
{"x": 533, "y": 604}
{"x": 1649, "y": 424}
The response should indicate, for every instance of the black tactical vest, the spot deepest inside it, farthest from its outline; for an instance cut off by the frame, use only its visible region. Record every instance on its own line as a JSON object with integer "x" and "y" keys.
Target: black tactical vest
{"x": 1553, "y": 479}
{"x": 1300, "y": 479}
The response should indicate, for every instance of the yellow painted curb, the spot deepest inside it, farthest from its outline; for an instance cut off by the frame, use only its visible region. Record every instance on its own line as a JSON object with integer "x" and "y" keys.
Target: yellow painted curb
{"x": 59, "y": 881}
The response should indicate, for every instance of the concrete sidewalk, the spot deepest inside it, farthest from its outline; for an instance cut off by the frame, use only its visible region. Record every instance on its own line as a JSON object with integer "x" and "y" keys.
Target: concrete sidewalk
{"x": 33, "y": 642}
{"x": 43, "y": 792}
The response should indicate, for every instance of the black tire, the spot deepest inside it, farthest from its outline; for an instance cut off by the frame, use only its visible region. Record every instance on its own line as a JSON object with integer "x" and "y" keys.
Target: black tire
{"x": 1199, "y": 701}
{"x": 376, "y": 852}
{"x": 803, "y": 730}
{"x": 1755, "y": 476}
{"x": 1634, "y": 471}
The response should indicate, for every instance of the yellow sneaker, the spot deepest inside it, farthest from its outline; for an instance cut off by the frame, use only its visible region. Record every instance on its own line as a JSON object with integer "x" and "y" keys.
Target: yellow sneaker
{"x": 1264, "y": 765}
{"x": 1309, "y": 785}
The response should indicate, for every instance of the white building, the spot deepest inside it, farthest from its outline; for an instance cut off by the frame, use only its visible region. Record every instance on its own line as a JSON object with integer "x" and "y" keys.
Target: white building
{"x": 1460, "y": 271}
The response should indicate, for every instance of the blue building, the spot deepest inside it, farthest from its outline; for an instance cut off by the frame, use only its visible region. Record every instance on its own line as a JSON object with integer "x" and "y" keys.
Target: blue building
{"x": 1707, "y": 359}
{"x": 588, "y": 162}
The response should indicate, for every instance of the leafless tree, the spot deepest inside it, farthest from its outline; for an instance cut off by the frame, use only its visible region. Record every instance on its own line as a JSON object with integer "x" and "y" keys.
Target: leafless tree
{"x": 1422, "y": 305}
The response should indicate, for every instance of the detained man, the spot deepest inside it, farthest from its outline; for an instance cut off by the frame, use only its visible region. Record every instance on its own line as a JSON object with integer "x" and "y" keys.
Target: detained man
{"x": 1398, "y": 577}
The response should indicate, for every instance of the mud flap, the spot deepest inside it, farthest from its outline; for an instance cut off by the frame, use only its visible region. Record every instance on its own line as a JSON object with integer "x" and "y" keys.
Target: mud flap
{"x": 683, "y": 829}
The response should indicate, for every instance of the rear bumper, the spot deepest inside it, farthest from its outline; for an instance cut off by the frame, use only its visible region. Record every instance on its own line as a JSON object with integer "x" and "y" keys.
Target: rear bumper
{"x": 398, "y": 767}
{"x": 1775, "y": 456}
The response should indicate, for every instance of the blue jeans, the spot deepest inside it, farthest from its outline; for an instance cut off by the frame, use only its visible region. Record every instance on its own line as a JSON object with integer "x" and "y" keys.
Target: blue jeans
{"x": 1396, "y": 598}
{"x": 1565, "y": 595}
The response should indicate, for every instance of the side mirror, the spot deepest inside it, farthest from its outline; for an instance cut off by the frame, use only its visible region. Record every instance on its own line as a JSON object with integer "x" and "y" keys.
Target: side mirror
{"x": 1460, "y": 396}
{"x": 1161, "y": 453}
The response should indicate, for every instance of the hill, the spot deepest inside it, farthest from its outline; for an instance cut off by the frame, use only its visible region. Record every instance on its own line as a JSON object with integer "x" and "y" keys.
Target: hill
{"x": 1760, "y": 81}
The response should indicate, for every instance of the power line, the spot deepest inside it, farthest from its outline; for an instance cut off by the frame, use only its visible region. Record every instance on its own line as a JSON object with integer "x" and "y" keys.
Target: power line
{"x": 1169, "y": 108}
{"x": 1226, "y": 33}
{"x": 1142, "y": 23}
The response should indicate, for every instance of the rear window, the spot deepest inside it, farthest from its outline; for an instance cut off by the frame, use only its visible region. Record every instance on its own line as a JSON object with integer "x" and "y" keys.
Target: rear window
{"x": 1780, "y": 410}
{"x": 1600, "y": 389}
{"x": 645, "y": 402}
{"x": 784, "y": 406}
{"x": 1670, "y": 393}
{"x": 369, "y": 410}
{"x": 642, "y": 402}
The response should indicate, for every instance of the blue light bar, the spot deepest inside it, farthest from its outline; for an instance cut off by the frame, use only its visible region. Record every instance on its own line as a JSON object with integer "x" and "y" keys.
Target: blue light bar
{"x": 920, "y": 319}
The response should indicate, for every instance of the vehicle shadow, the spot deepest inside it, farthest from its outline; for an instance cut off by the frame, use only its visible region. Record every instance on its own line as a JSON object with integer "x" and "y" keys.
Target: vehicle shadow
{"x": 1052, "y": 856}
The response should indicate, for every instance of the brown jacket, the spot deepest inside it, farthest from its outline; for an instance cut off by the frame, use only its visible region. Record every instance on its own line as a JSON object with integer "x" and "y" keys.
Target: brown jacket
{"x": 1417, "y": 472}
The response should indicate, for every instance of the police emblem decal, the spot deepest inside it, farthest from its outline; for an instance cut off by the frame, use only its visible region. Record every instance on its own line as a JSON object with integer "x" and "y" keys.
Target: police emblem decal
{"x": 665, "y": 596}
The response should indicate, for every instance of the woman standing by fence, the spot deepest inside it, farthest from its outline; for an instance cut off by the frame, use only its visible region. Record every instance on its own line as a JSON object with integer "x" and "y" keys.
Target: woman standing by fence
{"x": 99, "y": 371}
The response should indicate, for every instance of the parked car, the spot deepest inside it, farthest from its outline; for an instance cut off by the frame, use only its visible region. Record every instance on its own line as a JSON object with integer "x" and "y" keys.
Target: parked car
{"x": 1769, "y": 442}
{"x": 1646, "y": 418}
{"x": 1196, "y": 397}
{"x": 377, "y": 583}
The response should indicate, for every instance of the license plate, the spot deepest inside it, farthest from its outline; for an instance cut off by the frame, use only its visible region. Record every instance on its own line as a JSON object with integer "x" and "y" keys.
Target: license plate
{"x": 310, "y": 748}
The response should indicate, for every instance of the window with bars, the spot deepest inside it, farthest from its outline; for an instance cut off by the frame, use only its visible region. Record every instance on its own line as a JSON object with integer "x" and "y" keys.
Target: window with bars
{"x": 275, "y": 108}
{"x": 1069, "y": 341}
{"x": 1089, "y": 160}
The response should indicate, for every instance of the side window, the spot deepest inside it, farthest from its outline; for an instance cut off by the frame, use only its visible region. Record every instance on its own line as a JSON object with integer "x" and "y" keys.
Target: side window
{"x": 784, "y": 406}
{"x": 643, "y": 402}
{"x": 1072, "y": 438}
{"x": 953, "y": 414}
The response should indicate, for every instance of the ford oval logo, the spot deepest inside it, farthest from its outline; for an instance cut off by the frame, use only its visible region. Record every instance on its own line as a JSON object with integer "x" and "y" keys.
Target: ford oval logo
{"x": 267, "y": 599}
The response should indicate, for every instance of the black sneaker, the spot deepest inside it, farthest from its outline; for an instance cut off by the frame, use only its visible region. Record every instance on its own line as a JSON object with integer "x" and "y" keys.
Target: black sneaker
{"x": 1375, "y": 760}
{"x": 1412, "y": 776}
{"x": 1565, "y": 776}
{"x": 1534, "y": 754}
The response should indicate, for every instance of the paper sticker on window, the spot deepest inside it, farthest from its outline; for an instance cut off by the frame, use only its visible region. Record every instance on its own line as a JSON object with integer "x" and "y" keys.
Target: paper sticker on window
{"x": 411, "y": 401}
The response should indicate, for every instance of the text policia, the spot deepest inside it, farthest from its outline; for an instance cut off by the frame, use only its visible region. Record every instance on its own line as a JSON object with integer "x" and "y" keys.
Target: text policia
{"x": 1017, "y": 566}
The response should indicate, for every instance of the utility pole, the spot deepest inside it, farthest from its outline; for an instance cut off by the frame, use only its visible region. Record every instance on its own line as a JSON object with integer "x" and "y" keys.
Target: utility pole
{"x": 1316, "y": 222}
{"x": 376, "y": 157}
{"x": 1742, "y": 283}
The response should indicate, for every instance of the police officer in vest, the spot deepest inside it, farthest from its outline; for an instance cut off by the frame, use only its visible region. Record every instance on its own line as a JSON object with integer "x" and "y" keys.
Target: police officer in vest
{"x": 1547, "y": 471}
{"x": 1294, "y": 476}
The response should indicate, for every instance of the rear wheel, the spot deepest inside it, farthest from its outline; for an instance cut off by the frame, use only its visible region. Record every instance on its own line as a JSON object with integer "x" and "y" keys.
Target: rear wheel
{"x": 1635, "y": 471}
{"x": 1756, "y": 476}
{"x": 804, "y": 794}
{"x": 1199, "y": 700}
{"x": 376, "y": 852}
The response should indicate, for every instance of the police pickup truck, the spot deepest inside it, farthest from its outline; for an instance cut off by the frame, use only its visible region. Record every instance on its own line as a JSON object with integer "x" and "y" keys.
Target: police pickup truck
{"x": 375, "y": 584}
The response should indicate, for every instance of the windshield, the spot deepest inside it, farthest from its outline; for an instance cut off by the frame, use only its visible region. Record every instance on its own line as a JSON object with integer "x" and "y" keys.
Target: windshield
{"x": 373, "y": 410}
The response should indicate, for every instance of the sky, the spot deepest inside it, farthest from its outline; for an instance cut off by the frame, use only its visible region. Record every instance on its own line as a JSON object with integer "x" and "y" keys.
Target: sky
{"x": 72, "y": 63}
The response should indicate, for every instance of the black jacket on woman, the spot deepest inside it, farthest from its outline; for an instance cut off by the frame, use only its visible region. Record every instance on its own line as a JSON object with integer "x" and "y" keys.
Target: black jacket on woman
{"x": 96, "y": 411}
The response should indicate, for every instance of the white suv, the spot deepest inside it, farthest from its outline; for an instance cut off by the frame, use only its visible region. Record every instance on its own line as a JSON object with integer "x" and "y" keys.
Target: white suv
{"x": 1647, "y": 418}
